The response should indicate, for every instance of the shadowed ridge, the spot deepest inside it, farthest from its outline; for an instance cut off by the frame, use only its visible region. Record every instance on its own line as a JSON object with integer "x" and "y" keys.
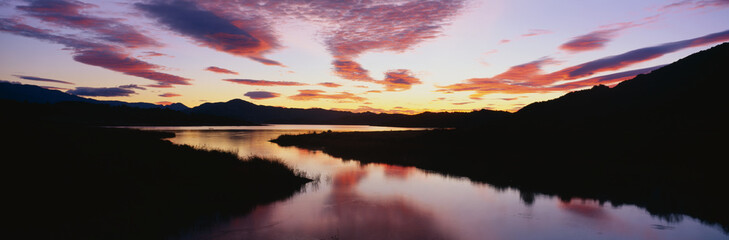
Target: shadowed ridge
{"x": 687, "y": 93}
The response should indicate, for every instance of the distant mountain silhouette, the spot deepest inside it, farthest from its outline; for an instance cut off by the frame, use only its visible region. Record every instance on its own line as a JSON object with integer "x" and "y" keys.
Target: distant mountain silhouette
{"x": 243, "y": 111}
{"x": 240, "y": 109}
{"x": 24, "y": 103}
{"x": 35, "y": 94}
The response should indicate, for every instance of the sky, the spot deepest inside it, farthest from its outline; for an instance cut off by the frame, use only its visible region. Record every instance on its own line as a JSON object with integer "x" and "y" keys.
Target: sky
{"x": 400, "y": 56}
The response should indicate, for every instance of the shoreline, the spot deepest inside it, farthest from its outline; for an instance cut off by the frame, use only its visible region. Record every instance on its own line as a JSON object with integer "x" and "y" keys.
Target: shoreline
{"x": 637, "y": 174}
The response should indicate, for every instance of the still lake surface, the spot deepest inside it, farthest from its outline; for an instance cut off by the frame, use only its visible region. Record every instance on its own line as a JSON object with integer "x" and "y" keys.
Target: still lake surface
{"x": 379, "y": 201}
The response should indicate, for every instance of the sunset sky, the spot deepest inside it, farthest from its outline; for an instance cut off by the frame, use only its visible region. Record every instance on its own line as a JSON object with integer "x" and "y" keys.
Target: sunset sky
{"x": 403, "y": 56}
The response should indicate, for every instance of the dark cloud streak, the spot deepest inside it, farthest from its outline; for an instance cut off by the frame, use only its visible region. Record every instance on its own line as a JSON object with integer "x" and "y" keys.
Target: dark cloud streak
{"x": 259, "y": 95}
{"x": 101, "y": 92}
{"x": 31, "y": 78}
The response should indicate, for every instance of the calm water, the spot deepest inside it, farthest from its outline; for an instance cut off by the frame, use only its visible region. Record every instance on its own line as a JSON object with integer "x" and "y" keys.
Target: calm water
{"x": 379, "y": 201}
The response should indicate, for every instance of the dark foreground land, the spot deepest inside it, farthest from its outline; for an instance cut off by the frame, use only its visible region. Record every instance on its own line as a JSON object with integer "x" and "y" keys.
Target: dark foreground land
{"x": 77, "y": 182}
{"x": 657, "y": 141}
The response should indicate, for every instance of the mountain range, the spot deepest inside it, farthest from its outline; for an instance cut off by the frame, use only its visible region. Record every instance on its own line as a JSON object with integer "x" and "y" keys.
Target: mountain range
{"x": 241, "y": 110}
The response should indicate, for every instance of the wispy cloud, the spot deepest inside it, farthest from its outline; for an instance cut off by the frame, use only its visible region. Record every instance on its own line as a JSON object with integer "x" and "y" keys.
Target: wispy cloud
{"x": 150, "y": 54}
{"x": 133, "y": 86}
{"x": 258, "y": 95}
{"x": 604, "y": 80}
{"x": 696, "y": 4}
{"x": 536, "y": 32}
{"x": 40, "y": 79}
{"x": 169, "y": 95}
{"x": 330, "y": 84}
{"x": 596, "y": 39}
{"x": 221, "y": 70}
{"x": 69, "y": 14}
{"x": 264, "y": 82}
{"x": 307, "y": 95}
{"x": 101, "y": 92}
{"x": 97, "y": 54}
{"x": 641, "y": 55}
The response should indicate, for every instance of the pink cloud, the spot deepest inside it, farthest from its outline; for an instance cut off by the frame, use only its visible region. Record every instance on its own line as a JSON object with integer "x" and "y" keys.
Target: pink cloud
{"x": 221, "y": 70}
{"x": 264, "y": 82}
{"x": 245, "y": 37}
{"x": 120, "y": 62}
{"x": 69, "y": 14}
{"x": 97, "y": 54}
{"x": 536, "y": 32}
{"x": 170, "y": 95}
{"x": 596, "y": 39}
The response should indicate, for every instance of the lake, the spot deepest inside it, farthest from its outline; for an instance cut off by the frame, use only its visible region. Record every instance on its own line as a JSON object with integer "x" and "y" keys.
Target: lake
{"x": 350, "y": 200}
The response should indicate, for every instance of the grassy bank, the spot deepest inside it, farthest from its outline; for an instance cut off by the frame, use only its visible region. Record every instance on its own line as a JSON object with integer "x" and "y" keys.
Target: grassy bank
{"x": 76, "y": 182}
{"x": 667, "y": 173}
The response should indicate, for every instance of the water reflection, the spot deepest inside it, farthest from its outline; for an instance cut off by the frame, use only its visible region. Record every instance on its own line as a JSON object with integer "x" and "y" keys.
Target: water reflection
{"x": 380, "y": 201}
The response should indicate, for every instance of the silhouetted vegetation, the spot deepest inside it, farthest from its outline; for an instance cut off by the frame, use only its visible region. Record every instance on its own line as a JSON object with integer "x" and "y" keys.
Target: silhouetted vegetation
{"x": 656, "y": 141}
{"x": 75, "y": 182}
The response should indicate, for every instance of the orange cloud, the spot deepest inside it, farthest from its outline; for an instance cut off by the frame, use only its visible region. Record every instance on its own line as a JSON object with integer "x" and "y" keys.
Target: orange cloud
{"x": 399, "y": 80}
{"x": 330, "y": 84}
{"x": 395, "y": 80}
{"x": 351, "y": 70}
{"x": 307, "y": 95}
